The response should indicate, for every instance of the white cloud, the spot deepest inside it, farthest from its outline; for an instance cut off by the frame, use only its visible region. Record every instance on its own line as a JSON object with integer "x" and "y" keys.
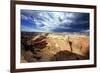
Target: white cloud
{"x": 48, "y": 20}
{"x": 52, "y": 20}
{"x": 29, "y": 29}
{"x": 24, "y": 17}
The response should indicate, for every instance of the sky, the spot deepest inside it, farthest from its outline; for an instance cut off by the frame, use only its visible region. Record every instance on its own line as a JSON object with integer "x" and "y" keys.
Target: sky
{"x": 54, "y": 21}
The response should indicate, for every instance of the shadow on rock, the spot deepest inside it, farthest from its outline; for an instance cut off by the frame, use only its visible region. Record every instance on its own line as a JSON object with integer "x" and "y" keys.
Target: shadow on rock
{"x": 66, "y": 55}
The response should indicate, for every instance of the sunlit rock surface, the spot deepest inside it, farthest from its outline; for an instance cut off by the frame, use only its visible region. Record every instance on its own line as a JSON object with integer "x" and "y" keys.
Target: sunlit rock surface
{"x": 41, "y": 47}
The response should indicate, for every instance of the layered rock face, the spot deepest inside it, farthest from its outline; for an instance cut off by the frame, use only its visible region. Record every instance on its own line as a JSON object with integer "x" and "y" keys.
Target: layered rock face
{"x": 43, "y": 47}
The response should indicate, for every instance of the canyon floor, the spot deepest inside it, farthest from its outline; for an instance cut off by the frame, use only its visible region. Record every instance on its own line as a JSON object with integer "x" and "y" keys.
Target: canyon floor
{"x": 43, "y": 47}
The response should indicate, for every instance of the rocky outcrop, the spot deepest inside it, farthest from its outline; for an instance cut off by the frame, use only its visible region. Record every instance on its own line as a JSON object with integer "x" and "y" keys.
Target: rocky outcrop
{"x": 53, "y": 47}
